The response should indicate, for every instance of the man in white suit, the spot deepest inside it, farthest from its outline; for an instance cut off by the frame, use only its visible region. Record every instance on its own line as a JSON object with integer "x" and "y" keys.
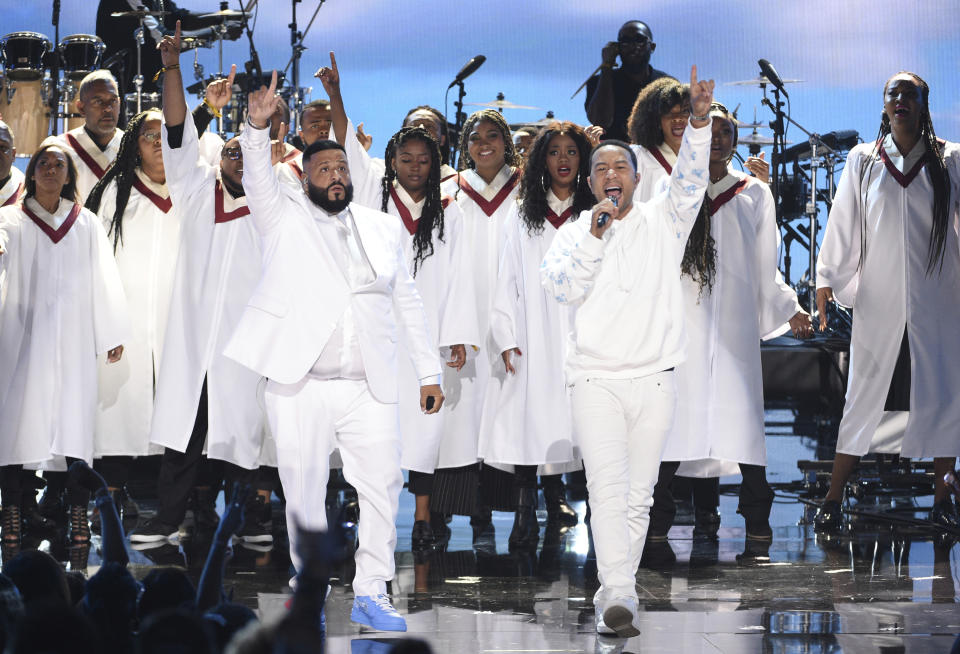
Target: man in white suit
{"x": 322, "y": 327}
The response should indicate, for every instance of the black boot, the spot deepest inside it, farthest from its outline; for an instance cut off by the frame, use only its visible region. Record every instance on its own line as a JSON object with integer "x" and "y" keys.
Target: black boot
{"x": 31, "y": 516}
{"x": 484, "y": 536}
{"x": 555, "y": 497}
{"x": 12, "y": 526}
{"x": 79, "y": 527}
{"x": 205, "y": 509}
{"x": 526, "y": 531}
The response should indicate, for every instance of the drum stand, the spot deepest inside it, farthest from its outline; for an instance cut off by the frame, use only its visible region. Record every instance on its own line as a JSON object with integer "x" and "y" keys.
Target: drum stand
{"x": 138, "y": 80}
{"x": 296, "y": 43}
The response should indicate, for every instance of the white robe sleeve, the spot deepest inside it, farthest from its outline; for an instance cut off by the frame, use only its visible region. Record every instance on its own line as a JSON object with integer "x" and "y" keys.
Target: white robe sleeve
{"x": 776, "y": 300}
{"x": 260, "y": 183}
{"x": 186, "y": 171}
{"x": 108, "y": 204}
{"x": 459, "y": 324}
{"x": 688, "y": 183}
{"x": 569, "y": 266}
{"x": 839, "y": 258}
{"x": 111, "y": 317}
{"x": 364, "y": 173}
{"x": 412, "y": 319}
{"x": 509, "y": 293}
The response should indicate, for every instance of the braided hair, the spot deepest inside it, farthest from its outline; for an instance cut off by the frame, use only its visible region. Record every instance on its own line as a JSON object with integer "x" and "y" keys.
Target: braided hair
{"x": 432, "y": 216}
{"x": 510, "y": 155}
{"x": 699, "y": 261}
{"x": 654, "y": 102}
{"x": 939, "y": 179}
{"x": 123, "y": 169}
{"x": 533, "y": 206}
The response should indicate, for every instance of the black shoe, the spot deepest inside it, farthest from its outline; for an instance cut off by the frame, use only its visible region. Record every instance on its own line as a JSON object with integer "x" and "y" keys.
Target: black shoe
{"x": 51, "y": 504}
{"x": 555, "y": 497}
{"x": 944, "y": 514}
{"x": 205, "y": 509}
{"x": 153, "y": 530}
{"x": 706, "y": 523}
{"x": 755, "y": 552}
{"x": 422, "y": 537}
{"x": 253, "y": 529}
{"x": 440, "y": 528}
{"x": 657, "y": 555}
{"x": 526, "y": 531}
{"x": 131, "y": 510}
{"x": 829, "y": 518}
{"x": 484, "y": 535}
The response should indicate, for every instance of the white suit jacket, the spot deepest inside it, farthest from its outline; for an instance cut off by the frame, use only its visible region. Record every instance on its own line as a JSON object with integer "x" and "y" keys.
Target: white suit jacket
{"x": 303, "y": 293}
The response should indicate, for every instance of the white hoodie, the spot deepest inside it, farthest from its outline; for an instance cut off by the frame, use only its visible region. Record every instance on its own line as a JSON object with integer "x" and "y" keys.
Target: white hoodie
{"x": 626, "y": 286}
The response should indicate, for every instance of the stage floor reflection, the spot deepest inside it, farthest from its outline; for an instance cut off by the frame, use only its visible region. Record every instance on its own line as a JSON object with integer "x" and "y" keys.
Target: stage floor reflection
{"x": 883, "y": 587}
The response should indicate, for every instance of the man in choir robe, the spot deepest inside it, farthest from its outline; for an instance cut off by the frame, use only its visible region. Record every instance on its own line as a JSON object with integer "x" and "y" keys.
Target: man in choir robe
{"x": 322, "y": 327}
{"x": 11, "y": 179}
{"x": 619, "y": 267}
{"x": 204, "y": 401}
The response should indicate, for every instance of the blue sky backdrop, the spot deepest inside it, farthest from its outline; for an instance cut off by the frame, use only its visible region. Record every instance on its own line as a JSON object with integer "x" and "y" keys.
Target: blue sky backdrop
{"x": 398, "y": 54}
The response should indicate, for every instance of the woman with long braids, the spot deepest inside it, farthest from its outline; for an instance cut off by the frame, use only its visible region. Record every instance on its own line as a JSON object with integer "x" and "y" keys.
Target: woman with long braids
{"x": 144, "y": 230}
{"x": 409, "y": 189}
{"x": 63, "y": 305}
{"x": 890, "y": 251}
{"x": 526, "y": 417}
{"x": 734, "y": 296}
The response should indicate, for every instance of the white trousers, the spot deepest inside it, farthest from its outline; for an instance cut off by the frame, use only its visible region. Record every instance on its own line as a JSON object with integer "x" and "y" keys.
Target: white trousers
{"x": 309, "y": 420}
{"x": 621, "y": 427}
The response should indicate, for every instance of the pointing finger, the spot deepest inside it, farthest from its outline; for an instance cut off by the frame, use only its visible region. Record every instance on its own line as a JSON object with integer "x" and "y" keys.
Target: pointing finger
{"x": 333, "y": 61}
{"x": 233, "y": 73}
{"x": 693, "y": 76}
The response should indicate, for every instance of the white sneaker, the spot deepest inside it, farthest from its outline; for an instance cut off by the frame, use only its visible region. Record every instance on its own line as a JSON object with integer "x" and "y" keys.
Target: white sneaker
{"x": 602, "y": 628}
{"x": 620, "y": 616}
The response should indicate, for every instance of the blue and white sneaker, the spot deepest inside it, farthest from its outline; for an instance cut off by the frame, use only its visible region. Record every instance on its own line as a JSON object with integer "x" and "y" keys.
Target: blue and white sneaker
{"x": 376, "y": 612}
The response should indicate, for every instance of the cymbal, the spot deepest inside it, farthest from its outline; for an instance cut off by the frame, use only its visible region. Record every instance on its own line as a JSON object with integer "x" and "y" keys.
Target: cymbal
{"x": 756, "y": 139}
{"x": 760, "y": 81}
{"x": 137, "y": 13}
{"x": 743, "y": 125}
{"x": 501, "y": 104}
{"x": 226, "y": 13}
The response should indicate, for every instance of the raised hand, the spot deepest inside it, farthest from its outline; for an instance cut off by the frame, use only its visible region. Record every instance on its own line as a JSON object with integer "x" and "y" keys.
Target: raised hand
{"x": 701, "y": 96}
{"x": 329, "y": 76}
{"x": 262, "y": 103}
{"x": 219, "y": 92}
{"x": 169, "y": 47}
{"x": 594, "y": 132}
{"x": 277, "y": 147}
{"x": 365, "y": 139}
{"x": 759, "y": 167}
{"x": 604, "y": 206}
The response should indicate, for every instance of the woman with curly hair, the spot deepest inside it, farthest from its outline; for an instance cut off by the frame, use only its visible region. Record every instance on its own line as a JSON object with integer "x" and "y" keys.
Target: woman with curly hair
{"x": 526, "y": 416}
{"x": 143, "y": 226}
{"x": 734, "y": 296}
{"x": 408, "y": 187}
{"x": 890, "y": 251}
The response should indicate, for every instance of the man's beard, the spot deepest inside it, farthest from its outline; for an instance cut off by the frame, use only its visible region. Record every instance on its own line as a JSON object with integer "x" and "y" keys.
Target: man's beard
{"x": 320, "y": 196}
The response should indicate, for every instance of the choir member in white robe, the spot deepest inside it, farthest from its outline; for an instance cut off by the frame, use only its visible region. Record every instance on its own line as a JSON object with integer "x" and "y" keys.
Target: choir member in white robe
{"x": 890, "y": 251}
{"x": 11, "y": 179}
{"x": 61, "y": 305}
{"x": 734, "y": 296}
{"x": 526, "y": 415}
{"x": 143, "y": 225}
{"x": 485, "y": 190}
{"x": 438, "y": 257}
{"x": 618, "y": 266}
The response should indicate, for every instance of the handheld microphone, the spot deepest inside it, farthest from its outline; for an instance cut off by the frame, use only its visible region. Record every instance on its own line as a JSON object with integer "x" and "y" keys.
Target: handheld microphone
{"x": 604, "y": 217}
{"x": 468, "y": 70}
{"x": 768, "y": 71}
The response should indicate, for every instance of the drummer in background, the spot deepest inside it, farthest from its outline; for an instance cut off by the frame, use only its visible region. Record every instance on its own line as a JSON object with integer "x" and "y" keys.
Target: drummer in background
{"x": 316, "y": 120}
{"x": 117, "y": 35}
{"x": 11, "y": 179}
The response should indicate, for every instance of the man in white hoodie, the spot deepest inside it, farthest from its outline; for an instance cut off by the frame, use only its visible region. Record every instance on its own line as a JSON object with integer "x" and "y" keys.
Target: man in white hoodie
{"x": 619, "y": 266}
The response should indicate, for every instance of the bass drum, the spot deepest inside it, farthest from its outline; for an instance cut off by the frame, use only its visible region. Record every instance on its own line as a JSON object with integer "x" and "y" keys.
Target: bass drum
{"x": 80, "y": 54}
{"x": 147, "y": 101}
{"x": 24, "y": 110}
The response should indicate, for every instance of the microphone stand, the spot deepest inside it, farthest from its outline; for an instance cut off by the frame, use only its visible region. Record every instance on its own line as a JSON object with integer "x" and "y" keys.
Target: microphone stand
{"x": 55, "y": 72}
{"x": 461, "y": 116}
{"x": 296, "y": 43}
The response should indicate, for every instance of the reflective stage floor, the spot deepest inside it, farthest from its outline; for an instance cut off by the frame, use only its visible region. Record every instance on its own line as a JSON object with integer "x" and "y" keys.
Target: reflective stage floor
{"x": 884, "y": 587}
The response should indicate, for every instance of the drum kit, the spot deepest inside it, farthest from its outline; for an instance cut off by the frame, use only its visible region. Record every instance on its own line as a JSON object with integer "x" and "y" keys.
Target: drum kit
{"x": 796, "y": 182}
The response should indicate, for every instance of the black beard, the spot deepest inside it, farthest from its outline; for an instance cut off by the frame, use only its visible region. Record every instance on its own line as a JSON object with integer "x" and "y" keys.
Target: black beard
{"x": 236, "y": 190}
{"x": 319, "y": 195}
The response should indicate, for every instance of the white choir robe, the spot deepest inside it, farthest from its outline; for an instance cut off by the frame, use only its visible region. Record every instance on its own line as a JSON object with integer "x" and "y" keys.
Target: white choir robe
{"x": 90, "y": 160}
{"x": 654, "y": 167}
{"x": 61, "y": 305}
{"x": 892, "y": 197}
{"x": 13, "y": 190}
{"x": 445, "y": 283}
{"x": 147, "y": 258}
{"x": 719, "y": 412}
{"x": 485, "y": 208}
{"x": 527, "y": 415}
{"x": 210, "y": 146}
{"x": 217, "y": 271}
